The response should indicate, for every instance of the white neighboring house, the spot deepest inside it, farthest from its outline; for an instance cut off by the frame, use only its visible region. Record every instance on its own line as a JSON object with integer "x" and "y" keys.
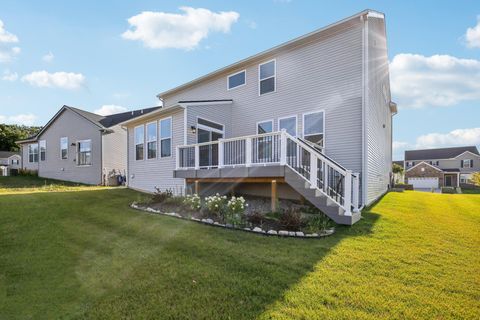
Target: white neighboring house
{"x": 80, "y": 146}
{"x": 310, "y": 118}
{"x": 9, "y": 160}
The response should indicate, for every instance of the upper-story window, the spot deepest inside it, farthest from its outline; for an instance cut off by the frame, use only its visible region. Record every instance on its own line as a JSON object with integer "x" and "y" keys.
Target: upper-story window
{"x": 152, "y": 140}
{"x": 267, "y": 77}
{"x": 313, "y": 127}
{"x": 64, "y": 148}
{"x": 467, "y": 163}
{"x": 139, "y": 142}
{"x": 289, "y": 124}
{"x": 166, "y": 137}
{"x": 84, "y": 154}
{"x": 237, "y": 79}
{"x": 15, "y": 161}
{"x": 33, "y": 153}
{"x": 43, "y": 149}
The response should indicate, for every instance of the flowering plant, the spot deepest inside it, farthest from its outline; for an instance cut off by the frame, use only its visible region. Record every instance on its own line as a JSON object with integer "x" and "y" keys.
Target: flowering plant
{"x": 193, "y": 202}
{"x": 235, "y": 209}
{"x": 216, "y": 204}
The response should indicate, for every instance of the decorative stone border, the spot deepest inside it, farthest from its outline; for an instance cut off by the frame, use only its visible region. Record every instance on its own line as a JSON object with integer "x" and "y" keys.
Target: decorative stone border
{"x": 257, "y": 230}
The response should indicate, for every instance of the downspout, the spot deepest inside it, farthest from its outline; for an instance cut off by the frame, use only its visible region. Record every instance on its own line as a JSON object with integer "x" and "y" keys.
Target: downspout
{"x": 364, "y": 106}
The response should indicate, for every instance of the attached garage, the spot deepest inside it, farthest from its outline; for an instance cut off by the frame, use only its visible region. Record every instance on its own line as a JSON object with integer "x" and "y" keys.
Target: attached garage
{"x": 424, "y": 182}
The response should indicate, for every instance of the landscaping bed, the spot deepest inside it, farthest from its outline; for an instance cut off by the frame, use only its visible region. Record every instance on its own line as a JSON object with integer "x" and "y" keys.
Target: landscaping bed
{"x": 253, "y": 214}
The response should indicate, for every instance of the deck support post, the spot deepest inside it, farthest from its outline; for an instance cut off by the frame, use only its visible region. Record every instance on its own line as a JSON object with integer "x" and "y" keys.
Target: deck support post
{"x": 274, "y": 196}
{"x": 197, "y": 187}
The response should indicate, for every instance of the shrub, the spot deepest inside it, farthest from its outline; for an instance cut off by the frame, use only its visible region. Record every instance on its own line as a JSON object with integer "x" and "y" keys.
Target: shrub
{"x": 235, "y": 210}
{"x": 160, "y": 196}
{"x": 27, "y": 173}
{"x": 216, "y": 204}
{"x": 448, "y": 190}
{"x": 256, "y": 218}
{"x": 317, "y": 223}
{"x": 291, "y": 219}
{"x": 193, "y": 202}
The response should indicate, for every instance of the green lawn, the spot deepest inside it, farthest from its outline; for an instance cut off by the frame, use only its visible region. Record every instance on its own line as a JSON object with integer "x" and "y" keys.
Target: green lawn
{"x": 85, "y": 254}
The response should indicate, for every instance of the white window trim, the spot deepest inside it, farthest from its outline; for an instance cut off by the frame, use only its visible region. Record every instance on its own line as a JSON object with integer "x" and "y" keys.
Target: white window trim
{"x": 40, "y": 151}
{"x": 324, "y": 128}
{"x": 160, "y": 138}
{"x": 147, "y": 140}
{"x": 274, "y": 76}
{"x": 136, "y": 144}
{"x": 66, "y": 157}
{"x": 269, "y": 120}
{"x": 78, "y": 153}
{"x": 288, "y": 117}
{"x": 234, "y": 74}
{"x": 465, "y": 161}
{"x": 204, "y": 127}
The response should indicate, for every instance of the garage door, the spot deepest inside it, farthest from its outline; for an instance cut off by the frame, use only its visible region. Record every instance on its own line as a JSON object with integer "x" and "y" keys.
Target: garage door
{"x": 423, "y": 183}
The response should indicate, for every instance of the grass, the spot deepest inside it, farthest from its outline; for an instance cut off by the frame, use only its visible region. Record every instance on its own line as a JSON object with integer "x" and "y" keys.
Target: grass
{"x": 27, "y": 184}
{"x": 87, "y": 255}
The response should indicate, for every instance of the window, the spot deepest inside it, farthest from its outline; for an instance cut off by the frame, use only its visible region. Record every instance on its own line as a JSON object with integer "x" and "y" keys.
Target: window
{"x": 64, "y": 147}
{"x": 15, "y": 161}
{"x": 467, "y": 163}
{"x": 166, "y": 137}
{"x": 152, "y": 140}
{"x": 236, "y": 80}
{"x": 139, "y": 142}
{"x": 84, "y": 153}
{"x": 33, "y": 153}
{"x": 265, "y": 127}
{"x": 267, "y": 77}
{"x": 43, "y": 149}
{"x": 313, "y": 127}
{"x": 289, "y": 124}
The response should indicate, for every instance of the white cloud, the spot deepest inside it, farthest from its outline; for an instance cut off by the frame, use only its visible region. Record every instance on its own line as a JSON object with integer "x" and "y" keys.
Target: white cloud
{"x": 22, "y": 119}
{"x": 9, "y": 76}
{"x": 440, "y": 80}
{"x": 472, "y": 36}
{"x": 5, "y": 36}
{"x": 108, "y": 109}
{"x": 64, "y": 80}
{"x": 181, "y": 31}
{"x": 48, "y": 57}
{"x": 398, "y": 148}
{"x": 458, "y": 137}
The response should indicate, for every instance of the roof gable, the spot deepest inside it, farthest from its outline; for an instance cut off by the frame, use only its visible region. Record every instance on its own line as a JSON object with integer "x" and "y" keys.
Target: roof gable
{"x": 440, "y": 153}
{"x": 8, "y": 154}
{"x": 425, "y": 163}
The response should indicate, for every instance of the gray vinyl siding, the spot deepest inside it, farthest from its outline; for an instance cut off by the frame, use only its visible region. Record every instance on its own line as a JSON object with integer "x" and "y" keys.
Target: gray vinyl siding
{"x": 323, "y": 74}
{"x": 115, "y": 151}
{"x": 221, "y": 114}
{"x": 145, "y": 175}
{"x": 378, "y": 114}
{"x": 75, "y": 127}
{"x": 25, "y": 164}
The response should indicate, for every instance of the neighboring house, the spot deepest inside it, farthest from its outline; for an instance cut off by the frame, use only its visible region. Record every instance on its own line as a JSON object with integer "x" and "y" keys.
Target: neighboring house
{"x": 9, "y": 160}
{"x": 80, "y": 146}
{"x": 311, "y": 119}
{"x": 445, "y": 167}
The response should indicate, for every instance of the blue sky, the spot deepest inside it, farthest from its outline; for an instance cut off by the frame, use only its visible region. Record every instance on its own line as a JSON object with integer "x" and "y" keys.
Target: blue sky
{"x": 81, "y": 54}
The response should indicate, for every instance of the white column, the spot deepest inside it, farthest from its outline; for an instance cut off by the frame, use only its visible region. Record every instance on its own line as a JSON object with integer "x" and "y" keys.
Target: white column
{"x": 220, "y": 153}
{"x": 283, "y": 147}
{"x": 248, "y": 152}
{"x": 197, "y": 157}
{"x": 313, "y": 171}
{"x": 347, "y": 197}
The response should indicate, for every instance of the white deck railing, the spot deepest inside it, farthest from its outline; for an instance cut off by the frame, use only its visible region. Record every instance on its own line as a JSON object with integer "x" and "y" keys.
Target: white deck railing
{"x": 277, "y": 148}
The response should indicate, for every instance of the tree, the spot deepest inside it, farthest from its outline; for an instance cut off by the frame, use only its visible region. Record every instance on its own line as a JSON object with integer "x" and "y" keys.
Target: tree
{"x": 11, "y": 133}
{"x": 476, "y": 178}
{"x": 397, "y": 169}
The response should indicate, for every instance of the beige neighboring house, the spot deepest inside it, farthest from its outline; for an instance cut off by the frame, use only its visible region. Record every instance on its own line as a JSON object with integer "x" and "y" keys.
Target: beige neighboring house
{"x": 80, "y": 146}
{"x": 308, "y": 119}
{"x": 9, "y": 161}
{"x": 444, "y": 167}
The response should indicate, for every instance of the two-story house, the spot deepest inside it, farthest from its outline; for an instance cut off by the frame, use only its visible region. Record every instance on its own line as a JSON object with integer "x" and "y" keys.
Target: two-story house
{"x": 80, "y": 146}
{"x": 444, "y": 167}
{"x": 9, "y": 161}
{"x": 310, "y": 118}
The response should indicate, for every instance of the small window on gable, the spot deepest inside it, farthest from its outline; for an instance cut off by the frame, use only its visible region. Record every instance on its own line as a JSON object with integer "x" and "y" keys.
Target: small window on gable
{"x": 466, "y": 163}
{"x": 267, "y": 77}
{"x": 236, "y": 80}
